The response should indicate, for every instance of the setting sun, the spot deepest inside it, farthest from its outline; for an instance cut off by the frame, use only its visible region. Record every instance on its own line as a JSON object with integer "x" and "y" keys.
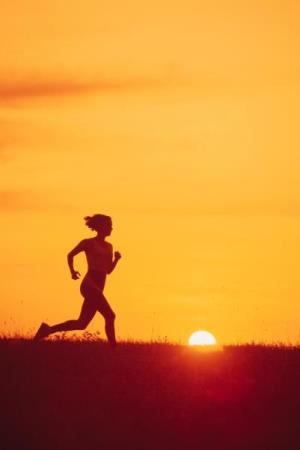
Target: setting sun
{"x": 202, "y": 338}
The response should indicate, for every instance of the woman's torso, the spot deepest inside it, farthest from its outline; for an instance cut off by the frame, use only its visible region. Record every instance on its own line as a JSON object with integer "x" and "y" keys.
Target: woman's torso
{"x": 98, "y": 255}
{"x": 99, "y": 260}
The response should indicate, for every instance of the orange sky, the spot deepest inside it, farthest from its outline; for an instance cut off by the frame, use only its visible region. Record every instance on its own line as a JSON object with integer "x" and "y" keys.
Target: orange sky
{"x": 178, "y": 119}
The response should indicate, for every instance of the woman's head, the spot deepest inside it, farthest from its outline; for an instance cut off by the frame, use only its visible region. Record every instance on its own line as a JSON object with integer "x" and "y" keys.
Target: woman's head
{"x": 100, "y": 223}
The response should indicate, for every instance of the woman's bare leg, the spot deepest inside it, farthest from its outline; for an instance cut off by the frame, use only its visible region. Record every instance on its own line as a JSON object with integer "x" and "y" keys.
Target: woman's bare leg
{"x": 110, "y": 330}
{"x": 88, "y": 310}
{"x": 109, "y": 316}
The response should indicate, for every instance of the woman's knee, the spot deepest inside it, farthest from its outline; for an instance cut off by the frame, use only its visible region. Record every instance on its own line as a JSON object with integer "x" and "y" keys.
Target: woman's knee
{"x": 82, "y": 324}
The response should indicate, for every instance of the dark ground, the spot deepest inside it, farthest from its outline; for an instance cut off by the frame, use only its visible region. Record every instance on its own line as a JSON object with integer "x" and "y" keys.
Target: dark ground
{"x": 84, "y": 395}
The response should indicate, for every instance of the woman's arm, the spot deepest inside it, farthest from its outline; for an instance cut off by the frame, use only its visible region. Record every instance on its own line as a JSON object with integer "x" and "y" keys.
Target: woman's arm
{"x": 114, "y": 262}
{"x": 79, "y": 248}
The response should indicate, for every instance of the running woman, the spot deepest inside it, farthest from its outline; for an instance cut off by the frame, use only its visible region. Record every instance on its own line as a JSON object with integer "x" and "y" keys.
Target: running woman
{"x": 100, "y": 261}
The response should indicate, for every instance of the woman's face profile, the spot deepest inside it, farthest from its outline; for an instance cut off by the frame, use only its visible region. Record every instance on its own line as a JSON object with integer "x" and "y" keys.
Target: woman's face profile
{"x": 106, "y": 228}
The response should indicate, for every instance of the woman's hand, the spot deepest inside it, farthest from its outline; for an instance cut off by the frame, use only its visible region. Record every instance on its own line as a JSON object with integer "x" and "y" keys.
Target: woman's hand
{"x": 75, "y": 275}
{"x": 118, "y": 256}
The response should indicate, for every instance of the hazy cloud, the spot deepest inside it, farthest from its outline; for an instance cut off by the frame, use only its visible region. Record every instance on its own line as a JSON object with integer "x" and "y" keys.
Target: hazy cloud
{"x": 4, "y": 154}
{"x": 7, "y": 139}
{"x": 28, "y": 89}
{"x": 11, "y": 200}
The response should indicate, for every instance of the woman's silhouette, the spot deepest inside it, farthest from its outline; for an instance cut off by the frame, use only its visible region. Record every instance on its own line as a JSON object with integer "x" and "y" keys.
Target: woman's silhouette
{"x": 99, "y": 254}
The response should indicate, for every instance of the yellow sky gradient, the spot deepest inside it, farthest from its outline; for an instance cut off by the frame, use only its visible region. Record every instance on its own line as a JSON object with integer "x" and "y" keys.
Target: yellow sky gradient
{"x": 178, "y": 119}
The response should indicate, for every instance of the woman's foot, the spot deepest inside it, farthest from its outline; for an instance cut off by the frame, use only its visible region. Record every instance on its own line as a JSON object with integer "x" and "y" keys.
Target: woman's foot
{"x": 42, "y": 332}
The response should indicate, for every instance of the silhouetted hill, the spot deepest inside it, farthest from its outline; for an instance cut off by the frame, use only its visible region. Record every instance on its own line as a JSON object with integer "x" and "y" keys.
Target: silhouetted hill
{"x": 65, "y": 395}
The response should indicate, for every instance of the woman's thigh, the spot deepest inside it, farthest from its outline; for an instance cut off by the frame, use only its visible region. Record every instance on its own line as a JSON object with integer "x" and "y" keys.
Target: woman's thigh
{"x": 88, "y": 310}
{"x": 91, "y": 287}
{"x": 96, "y": 298}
